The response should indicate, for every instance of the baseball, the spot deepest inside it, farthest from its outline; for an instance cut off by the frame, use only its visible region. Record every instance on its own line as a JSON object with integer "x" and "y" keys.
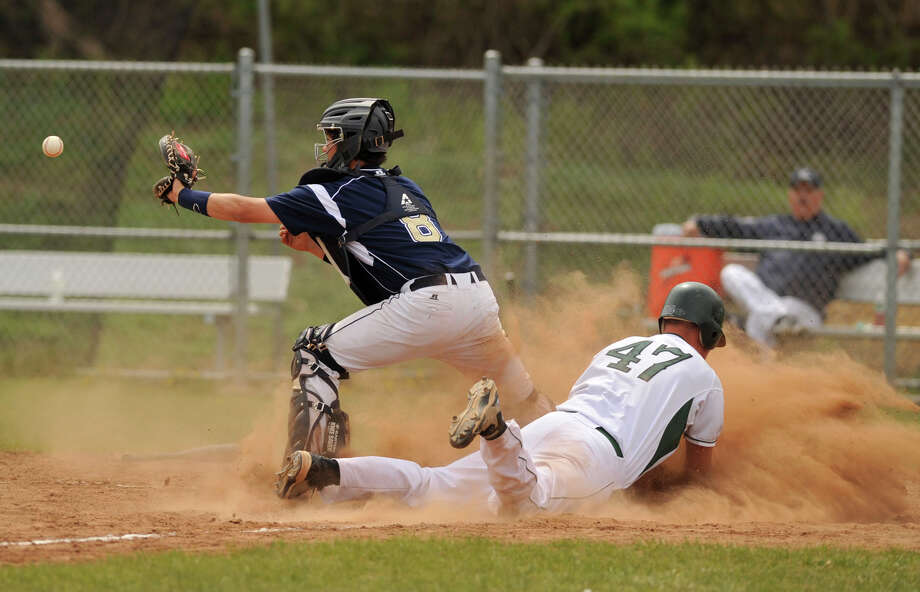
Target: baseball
{"x": 53, "y": 146}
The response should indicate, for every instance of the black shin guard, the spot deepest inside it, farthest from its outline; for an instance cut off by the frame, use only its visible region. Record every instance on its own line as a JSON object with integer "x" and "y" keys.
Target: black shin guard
{"x": 315, "y": 426}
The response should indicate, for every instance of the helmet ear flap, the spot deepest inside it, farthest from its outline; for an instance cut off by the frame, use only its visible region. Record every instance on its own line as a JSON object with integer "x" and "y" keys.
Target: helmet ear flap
{"x": 379, "y": 128}
{"x": 699, "y": 304}
{"x": 707, "y": 337}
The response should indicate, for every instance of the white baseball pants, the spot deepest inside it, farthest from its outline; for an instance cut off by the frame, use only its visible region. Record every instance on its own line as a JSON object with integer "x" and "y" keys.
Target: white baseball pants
{"x": 763, "y": 306}
{"x": 557, "y": 463}
{"x": 457, "y": 324}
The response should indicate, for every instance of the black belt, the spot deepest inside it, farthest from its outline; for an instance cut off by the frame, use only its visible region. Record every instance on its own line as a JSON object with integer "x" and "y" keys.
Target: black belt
{"x": 443, "y": 279}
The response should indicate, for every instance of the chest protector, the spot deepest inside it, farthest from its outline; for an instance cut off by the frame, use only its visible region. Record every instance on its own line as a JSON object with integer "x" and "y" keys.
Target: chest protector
{"x": 399, "y": 203}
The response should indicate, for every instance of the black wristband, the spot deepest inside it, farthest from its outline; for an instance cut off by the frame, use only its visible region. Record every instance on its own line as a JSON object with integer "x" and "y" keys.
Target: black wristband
{"x": 197, "y": 201}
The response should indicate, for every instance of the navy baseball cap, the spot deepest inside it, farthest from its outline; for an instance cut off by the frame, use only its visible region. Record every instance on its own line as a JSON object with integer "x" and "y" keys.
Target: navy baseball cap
{"x": 805, "y": 175}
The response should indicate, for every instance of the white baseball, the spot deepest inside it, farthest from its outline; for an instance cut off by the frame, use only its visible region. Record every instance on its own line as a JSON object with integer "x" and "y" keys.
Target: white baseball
{"x": 52, "y": 146}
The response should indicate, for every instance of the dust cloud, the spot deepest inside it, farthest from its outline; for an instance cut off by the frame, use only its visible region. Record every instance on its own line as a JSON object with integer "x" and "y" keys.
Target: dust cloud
{"x": 808, "y": 437}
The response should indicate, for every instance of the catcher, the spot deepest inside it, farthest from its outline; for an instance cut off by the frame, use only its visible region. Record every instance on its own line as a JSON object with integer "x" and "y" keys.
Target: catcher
{"x": 424, "y": 296}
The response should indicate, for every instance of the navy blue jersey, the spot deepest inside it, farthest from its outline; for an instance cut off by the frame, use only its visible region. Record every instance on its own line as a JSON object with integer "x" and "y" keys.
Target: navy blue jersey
{"x": 385, "y": 257}
{"x": 810, "y": 276}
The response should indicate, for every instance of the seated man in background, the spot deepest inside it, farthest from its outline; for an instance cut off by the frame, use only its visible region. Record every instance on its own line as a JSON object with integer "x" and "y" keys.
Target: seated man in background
{"x": 789, "y": 289}
{"x": 624, "y": 416}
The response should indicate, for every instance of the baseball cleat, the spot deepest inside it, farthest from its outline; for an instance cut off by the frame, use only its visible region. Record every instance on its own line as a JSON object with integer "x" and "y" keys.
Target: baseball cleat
{"x": 292, "y": 479}
{"x": 482, "y": 416}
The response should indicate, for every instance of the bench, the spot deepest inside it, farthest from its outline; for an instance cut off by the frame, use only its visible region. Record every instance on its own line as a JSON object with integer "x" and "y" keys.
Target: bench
{"x": 867, "y": 284}
{"x": 138, "y": 283}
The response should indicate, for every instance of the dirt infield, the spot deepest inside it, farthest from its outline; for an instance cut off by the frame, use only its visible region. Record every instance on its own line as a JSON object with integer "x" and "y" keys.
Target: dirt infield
{"x": 816, "y": 450}
{"x": 74, "y": 509}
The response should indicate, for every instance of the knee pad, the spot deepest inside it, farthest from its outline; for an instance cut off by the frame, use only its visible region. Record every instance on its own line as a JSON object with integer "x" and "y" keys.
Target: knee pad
{"x": 311, "y": 345}
{"x": 316, "y": 422}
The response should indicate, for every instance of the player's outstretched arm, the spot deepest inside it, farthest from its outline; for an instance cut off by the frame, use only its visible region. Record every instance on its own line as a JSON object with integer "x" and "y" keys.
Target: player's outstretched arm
{"x": 240, "y": 208}
{"x": 232, "y": 207}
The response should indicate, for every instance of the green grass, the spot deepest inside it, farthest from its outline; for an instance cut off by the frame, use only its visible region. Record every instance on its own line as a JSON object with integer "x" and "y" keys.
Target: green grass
{"x": 124, "y": 415}
{"x": 112, "y": 415}
{"x": 482, "y": 564}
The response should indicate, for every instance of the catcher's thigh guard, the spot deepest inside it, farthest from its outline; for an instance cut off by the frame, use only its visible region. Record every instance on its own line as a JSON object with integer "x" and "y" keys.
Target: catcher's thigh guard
{"x": 316, "y": 422}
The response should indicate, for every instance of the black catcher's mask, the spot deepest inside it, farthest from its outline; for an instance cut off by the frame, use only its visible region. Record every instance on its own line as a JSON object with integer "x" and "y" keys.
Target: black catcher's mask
{"x": 356, "y": 126}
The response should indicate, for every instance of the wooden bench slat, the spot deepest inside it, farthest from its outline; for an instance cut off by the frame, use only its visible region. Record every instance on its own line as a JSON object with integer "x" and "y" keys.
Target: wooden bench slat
{"x": 122, "y": 306}
{"x": 139, "y": 275}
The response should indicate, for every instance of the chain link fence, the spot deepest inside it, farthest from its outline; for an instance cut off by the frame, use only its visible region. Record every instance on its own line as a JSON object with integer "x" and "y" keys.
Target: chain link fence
{"x": 538, "y": 171}
{"x": 594, "y": 157}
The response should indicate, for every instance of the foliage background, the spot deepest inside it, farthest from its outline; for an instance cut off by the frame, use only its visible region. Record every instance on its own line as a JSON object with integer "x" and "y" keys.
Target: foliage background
{"x": 849, "y": 34}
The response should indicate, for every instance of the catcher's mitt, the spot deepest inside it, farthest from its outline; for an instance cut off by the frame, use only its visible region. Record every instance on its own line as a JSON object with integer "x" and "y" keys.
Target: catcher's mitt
{"x": 182, "y": 163}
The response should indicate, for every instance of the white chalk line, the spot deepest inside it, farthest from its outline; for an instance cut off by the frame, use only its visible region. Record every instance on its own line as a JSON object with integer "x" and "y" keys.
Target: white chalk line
{"x": 266, "y": 529}
{"x": 107, "y": 538}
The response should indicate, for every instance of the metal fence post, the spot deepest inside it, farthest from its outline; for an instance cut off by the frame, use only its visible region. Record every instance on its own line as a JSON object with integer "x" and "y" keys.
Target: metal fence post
{"x": 896, "y": 131}
{"x": 491, "y": 99}
{"x": 271, "y": 160}
{"x": 243, "y": 182}
{"x": 532, "y": 181}
{"x": 268, "y": 97}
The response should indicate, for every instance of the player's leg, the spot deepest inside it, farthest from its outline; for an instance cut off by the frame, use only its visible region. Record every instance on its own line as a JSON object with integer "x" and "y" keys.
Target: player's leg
{"x": 407, "y": 326}
{"x": 344, "y": 479}
{"x": 316, "y": 421}
{"x": 556, "y": 463}
{"x": 457, "y": 324}
{"x": 485, "y": 350}
{"x": 762, "y": 305}
{"x": 494, "y": 356}
{"x": 377, "y": 335}
{"x": 462, "y": 482}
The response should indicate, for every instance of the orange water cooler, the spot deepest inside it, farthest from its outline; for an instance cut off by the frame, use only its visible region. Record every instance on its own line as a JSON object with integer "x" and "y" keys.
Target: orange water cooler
{"x": 673, "y": 265}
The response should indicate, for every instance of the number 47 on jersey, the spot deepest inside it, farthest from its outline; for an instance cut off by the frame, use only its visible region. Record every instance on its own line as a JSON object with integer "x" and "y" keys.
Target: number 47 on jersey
{"x": 632, "y": 353}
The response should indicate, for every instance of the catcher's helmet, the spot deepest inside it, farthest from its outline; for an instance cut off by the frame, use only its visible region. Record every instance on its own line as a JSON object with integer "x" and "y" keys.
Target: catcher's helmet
{"x": 700, "y": 305}
{"x": 356, "y": 126}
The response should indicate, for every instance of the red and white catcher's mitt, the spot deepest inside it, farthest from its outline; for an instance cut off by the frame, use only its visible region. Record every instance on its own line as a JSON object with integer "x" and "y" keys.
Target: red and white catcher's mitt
{"x": 182, "y": 163}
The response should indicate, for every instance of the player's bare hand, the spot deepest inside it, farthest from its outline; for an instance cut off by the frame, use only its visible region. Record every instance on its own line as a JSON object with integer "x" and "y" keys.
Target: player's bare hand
{"x": 286, "y": 237}
{"x": 690, "y": 228}
{"x": 300, "y": 242}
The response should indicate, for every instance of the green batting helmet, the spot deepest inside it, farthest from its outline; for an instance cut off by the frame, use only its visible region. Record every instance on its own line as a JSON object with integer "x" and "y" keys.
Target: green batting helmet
{"x": 700, "y": 305}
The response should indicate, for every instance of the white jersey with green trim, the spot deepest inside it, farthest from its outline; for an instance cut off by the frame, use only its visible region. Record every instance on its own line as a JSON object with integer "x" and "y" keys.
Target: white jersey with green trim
{"x": 625, "y": 414}
{"x": 646, "y": 392}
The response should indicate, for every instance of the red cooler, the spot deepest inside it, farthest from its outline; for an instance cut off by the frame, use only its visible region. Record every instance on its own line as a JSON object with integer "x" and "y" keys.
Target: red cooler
{"x": 673, "y": 265}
